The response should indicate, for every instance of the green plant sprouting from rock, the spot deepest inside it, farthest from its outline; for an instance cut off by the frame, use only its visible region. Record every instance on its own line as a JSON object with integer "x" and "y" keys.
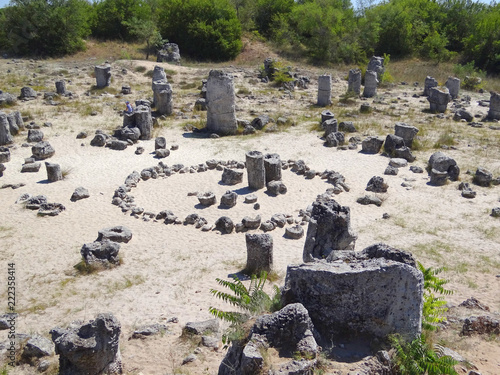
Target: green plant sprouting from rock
{"x": 421, "y": 356}
{"x": 251, "y": 301}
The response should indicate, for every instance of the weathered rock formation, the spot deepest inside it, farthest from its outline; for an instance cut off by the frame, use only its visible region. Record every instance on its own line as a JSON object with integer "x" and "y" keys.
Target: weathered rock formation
{"x": 324, "y": 90}
{"x": 354, "y": 81}
{"x": 255, "y": 170}
{"x": 102, "y": 75}
{"x": 373, "y": 293}
{"x": 169, "y": 52}
{"x": 259, "y": 253}
{"x": 329, "y": 230}
{"x": 438, "y": 99}
{"x": 371, "y": 83}
{"x": 221, "y": 115}
{"x": 89, "y": 349}
{"x": 453, "y": 86}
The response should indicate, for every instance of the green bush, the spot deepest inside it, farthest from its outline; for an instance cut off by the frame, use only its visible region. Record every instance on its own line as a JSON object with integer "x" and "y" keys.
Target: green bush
{"x": 203, "y": 29}
{"x": 45, "y": 28}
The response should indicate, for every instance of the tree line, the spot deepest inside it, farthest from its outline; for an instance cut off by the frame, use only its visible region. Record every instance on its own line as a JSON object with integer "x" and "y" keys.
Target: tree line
{"x": 326, "y": 31}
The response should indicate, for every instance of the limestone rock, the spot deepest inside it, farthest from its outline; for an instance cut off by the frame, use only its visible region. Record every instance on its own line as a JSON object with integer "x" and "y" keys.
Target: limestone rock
{"x": 221, "y": 115}
{"x": 42, "y": 150}
{"x": 116, "y": 234}
{"x": 89, "y": 349}
{"x": 101, "y": 252}
{"x": 372, "y": 145}
{"x": 79, "y": 193}
{"x": 329, "y": 230}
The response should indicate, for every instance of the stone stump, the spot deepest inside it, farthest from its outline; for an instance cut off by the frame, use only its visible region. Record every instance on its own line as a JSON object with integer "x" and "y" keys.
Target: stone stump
{"x": 5, "y": 136}
{"x": 376, "y": 65}
{"x": 372, "y": 293}
{"x": 330, "y": 126}
{"x": 453, "y": 85}
{"x": 407, "y": 132}
{"x": 42, "y": 150}
{"x": 329, "y": 230}
{"x": 324, "y": 90}
{"x": 429, "y": 83}
{"x": 372, "y": 145}
{"x": 163, "y": 101}
{"x": 102, "y": 75}
{"x": 90, "y": 348}
{"x": 160, "y": 142}
{"x": 259, "y": 253}
{"x": 229, "y": 199}
{"x": 354, "y": 81}
{"x": 231, "y": 176}
{"x": 4, "y": 155}
{"x": 371, "y": 83}
{"x": 438, "y": 99}
{"x": 272, "y": 166}
{"x": 327, "y": 115}
{"x": 53, "y": 172}
{"x": 255, "y": 170}
{"x": 158, "y": 86}
{"x": 493, "y": 113}
{"x": 61, "y": 87}
{"x": 221, "y": 115}
{"x": 144, "y": 121}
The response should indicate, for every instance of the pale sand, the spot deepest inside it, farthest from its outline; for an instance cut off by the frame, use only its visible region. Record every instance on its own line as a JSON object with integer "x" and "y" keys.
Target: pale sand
{"x": 168, "y": 270}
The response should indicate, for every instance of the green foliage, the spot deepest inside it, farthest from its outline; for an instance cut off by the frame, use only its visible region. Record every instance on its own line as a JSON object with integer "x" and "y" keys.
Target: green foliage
{"x": 203, "y": 29}
{"x": 267, "y": 11}
{"x": 418, "y": 357}
{"x": 281, "y": 73}
{"x": 471, "y": 77}
{"x": 251, "y": 301}
{"x": 146, "y": 32}
{"x": 386, "y": 76}
{"x": 46, "y": 28}
{"x": 433, "y": 306}
{"x": 116, "y": 19}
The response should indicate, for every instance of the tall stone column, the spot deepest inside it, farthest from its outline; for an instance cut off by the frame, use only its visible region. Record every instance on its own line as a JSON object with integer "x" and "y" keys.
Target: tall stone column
{"x": 259, "y": 253}
{"x": 5, "y": 136}
{"x": 144, "y": 121}
{"x": 324, "y": 90}
{"x": 272, "y": 166}
{"x": 354, "y": 81}
{"x": 453, "y": 85}
{"x": 221, "y": 115}
{"x": 61, "y": 87}
{"x": 255, "y": 170}
{"x": 102, "y": 75}
{"x": 371, "y": 83}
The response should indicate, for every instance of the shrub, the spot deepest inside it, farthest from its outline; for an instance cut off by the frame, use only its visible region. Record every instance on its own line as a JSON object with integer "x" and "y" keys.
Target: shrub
{"x": 203, "y": 29}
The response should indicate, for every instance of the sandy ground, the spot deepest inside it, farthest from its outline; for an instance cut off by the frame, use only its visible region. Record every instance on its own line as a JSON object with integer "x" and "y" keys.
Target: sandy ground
{"x": 168, "y": 270}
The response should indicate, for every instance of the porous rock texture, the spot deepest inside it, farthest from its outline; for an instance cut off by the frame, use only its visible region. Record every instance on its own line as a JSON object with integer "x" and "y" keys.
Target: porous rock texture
{"x": 329, "y": 229}
{"x": 372, "y": 293}
{"x": 89, "y": 349}
{"x": 221, "y": 115}
{"x": 289, "y": 330}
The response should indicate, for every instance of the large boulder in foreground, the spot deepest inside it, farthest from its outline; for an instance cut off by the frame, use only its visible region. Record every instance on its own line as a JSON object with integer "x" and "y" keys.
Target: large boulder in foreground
{"x": 89, "y": 349}
{"x": 289, "y": 330}
{"x": 329, "y": 229}
{"x": 372, "y": 293}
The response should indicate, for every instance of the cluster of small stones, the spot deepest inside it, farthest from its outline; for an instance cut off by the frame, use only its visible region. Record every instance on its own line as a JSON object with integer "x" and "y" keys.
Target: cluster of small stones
{"x": 40, "y": 203}
{"x": 230, "y": 176}
{"x": 334, "y": 133}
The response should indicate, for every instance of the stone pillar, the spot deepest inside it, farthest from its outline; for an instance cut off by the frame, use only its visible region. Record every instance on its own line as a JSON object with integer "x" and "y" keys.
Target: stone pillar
{"x": 61, "y": 87}
{"x": 158, "y": 86}
{"x": 159, "y": 75}
{"x": 163, "y": 101}
{"x": 493, "y": 113}
{"x": 221, "y": 116}
{"x": 329, "y": 230}
{"x": 429, "y": 83}
{"x": 14, "y": 119}
{"x": 53, "y": 172}
{"x": 144, "y": 121}
{"x": 376, "y": 64}
{"x": 5, "y": 136}
{"x": 259, "y": 253}
{"x": 453, "y": 85}
{"x": 407, "y": 132}
{"x": 371, "y": 83}
{"x": 327, "y": 115}
{"x": 102, "y": 75}
{"x": 255, "y": 170}
{"x": 272, "y": 166}
{"x": 354, "y": 82}
{"x": 324, "y": 90}
{"x": 438, "y": 99}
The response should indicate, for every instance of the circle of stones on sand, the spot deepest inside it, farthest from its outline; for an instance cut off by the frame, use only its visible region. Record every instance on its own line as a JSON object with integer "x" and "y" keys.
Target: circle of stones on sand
{"x": 125, "y": 201}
